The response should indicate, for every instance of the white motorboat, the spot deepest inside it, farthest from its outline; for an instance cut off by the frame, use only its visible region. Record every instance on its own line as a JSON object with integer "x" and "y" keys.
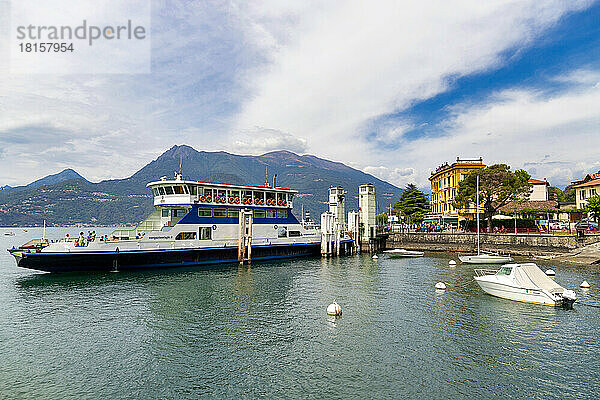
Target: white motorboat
{"x": 403, "y": 253}
{"x": 485, "y": 258}
{"x": 524, "y": 282}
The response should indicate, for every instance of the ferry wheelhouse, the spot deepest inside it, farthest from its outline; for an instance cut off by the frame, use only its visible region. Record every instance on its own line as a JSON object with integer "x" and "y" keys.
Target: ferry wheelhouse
{"x": 193, "y": 223}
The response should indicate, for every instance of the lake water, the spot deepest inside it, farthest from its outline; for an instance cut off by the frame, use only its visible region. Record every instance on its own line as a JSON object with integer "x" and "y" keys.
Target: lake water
{"x": 231, "y": 332}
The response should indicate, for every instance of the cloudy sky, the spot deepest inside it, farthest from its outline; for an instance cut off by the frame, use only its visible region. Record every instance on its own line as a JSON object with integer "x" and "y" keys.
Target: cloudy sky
{"x": 392, "y": 88}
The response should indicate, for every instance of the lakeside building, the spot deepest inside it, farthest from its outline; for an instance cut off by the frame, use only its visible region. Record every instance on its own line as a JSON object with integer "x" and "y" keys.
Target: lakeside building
{"x": 539, "y": 190}
{"x": 444, "y": 186}
{"x": 586, "y": 188}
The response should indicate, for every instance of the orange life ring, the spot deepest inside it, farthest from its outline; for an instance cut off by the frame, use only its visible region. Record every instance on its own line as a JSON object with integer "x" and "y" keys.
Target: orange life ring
{"x": 231, "y": 199}
{"x": 236, "y": 200}
{"x": 280, "y": 202}
{"x": 208, "y": 199}
{"x": 262, "y": 202}
{"x": 202, "y": 199}
{"x": 244, "y": 200}
{"x": 256, "y": 201}
{"x": 268, "y": 202}
{"x": 284, "y": 203}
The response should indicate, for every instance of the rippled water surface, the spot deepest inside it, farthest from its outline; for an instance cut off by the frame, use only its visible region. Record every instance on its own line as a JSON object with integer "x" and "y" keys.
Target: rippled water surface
{"x": 256, "y": 331}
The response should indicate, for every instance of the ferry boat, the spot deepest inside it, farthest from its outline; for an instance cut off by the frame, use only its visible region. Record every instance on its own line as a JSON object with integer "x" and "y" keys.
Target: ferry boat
{"x": 193, "y": 223}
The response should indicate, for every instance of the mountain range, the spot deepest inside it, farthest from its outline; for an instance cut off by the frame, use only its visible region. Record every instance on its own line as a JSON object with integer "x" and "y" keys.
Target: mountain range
{"x": 67, "y": 198}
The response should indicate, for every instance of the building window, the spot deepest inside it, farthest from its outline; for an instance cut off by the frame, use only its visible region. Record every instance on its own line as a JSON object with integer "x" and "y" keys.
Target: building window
{"x": 205, "y": 233}
{"x": 186, "y": 236}
{"x": 204, "y": 212}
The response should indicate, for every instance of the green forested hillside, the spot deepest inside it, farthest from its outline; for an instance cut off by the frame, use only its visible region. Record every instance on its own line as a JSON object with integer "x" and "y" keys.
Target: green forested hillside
{"x": 128, "y": 201}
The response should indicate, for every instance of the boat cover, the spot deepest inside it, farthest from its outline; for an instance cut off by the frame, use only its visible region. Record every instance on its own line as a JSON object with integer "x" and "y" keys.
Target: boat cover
{"x": 530, "y": 275}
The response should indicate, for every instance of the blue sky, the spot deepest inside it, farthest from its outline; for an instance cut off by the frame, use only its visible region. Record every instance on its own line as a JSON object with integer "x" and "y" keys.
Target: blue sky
{"x": 392, "y": 88}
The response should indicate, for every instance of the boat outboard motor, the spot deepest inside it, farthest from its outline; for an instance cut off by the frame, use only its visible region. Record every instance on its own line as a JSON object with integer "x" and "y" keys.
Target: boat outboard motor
{"x": 568, "y": 298}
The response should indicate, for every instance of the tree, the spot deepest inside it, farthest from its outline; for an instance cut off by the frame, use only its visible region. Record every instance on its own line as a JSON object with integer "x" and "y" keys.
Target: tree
{"x": 593, "y": 207}
{"x": 498, "y": 186}
{"x": 413, "y": 203}
{"x": 567, "y": 195}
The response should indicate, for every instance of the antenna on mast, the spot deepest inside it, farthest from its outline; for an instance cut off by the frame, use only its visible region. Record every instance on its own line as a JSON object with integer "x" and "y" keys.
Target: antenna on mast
{"x": 266, "y": 175}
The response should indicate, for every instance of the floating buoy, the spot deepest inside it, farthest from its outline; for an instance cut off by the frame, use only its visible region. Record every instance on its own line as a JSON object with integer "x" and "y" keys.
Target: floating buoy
{"x": 584, "y": 285}
{"x": 440, "y": 286}
{"x": 451, "y": 262}
{"x": 550, "y": 272}
{"x": 334, "y": 309}
{"x": 375, "y": 257}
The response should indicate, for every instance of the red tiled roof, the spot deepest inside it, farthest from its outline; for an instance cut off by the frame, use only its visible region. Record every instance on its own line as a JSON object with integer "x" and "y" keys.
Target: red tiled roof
{"x": 534, "y": 204}
{"x": 593, "y": 182}
{"x": 538, "y": 182}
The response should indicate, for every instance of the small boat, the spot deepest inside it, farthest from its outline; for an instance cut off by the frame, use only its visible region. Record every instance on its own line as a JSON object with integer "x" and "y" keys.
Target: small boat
{"x": 403, "y": 253}
{"x": 9, "y": 234}
{"x": 485, "y": 258}
{"x": 524, "y": 282}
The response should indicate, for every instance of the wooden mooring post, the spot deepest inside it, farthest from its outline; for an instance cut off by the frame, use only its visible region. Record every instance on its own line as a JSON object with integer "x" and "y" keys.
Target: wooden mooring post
{"x": 245, "y": 236}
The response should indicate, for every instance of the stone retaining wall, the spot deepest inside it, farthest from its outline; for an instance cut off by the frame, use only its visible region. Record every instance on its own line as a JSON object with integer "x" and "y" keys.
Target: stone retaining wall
{"x": 525, "y": 244}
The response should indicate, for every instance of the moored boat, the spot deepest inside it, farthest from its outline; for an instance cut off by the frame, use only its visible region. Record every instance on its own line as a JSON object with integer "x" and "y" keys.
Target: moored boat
{"x": 397, "y": 253}
{"x": 524, "y": 282}
{"x": 485, "y": 258}
{"x": 193, "y": 223}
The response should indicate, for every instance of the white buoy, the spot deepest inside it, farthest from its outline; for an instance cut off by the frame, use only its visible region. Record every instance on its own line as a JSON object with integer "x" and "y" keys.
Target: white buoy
{"x": 334, "y": 309}
{"x": 584, "y": 285}
{"x": 451, "y": 262}
{"x": 550, "y": 272}
{"x": 375, "y": 257}
{"x": 440, "y": 286}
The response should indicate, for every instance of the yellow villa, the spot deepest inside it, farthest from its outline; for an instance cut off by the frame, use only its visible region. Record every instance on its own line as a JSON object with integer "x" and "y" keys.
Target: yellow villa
{"x": 444, "y": 186}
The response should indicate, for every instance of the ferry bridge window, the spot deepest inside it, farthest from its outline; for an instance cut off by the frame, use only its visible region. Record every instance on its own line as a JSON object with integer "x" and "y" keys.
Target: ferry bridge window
{"x": 290, "y": 196}
{"x": 155, "y": 191}
{"x": 247, "y": 194}
{"x": 178, "y": 189}
{"x": 220, "y": 212}
{"x": 165, "y": 212}
{"x": 294, "y": 233}
{"x": 270, "y": 213}
{"x": 232, "y": 213}
{"x": 168, "y": 190}
{"x": 161, "y": 190}
{"x": 186, "y": 236}
{"x": 204, "y": 212}
{"x": 206, "y": 192}
{"x": 270, "y": 196}
{"x": 205, "y": 233}
{"x": 281, "y": 213}
{"x": 193, "y": 190}
{"x": 259, "y": 213}
{"x": 179, "y": 212}
{"x": 258, "y": 195}
{"x": 222, "y": 193}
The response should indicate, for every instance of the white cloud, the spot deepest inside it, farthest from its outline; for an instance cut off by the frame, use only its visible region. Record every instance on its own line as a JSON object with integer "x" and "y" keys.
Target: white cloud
{"x": 552, "y": 136}
{"x": 396, "y": 176}
{"x": 351, "y": 62}
{"x": 261, "y": 140}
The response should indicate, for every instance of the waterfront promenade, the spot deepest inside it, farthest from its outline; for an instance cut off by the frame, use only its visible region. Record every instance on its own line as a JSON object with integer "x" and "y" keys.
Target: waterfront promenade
{"x": 519, "y": 244}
